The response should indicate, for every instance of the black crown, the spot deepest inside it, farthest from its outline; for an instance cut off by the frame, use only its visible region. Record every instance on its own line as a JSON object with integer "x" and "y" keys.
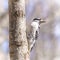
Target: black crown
{"x": 37, "y": 19}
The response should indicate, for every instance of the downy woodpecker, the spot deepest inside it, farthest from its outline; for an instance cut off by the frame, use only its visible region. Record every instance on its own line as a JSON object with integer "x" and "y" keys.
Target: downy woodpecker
{"x": 35, "y": 26}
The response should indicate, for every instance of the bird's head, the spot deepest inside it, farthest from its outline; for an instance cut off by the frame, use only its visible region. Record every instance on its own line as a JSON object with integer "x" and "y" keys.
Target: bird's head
{"x": 39, "y": 20}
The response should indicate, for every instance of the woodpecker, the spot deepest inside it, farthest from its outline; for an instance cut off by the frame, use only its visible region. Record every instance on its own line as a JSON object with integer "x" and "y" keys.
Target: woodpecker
{"x": 34, "y": 32}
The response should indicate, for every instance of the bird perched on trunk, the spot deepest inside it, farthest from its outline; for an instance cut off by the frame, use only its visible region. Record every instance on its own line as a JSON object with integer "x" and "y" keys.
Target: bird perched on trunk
{"x": 34, "y": 32}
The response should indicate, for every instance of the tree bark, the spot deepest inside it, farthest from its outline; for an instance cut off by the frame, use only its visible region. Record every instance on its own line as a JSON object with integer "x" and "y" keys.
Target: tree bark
{"x": 17, "y": 31}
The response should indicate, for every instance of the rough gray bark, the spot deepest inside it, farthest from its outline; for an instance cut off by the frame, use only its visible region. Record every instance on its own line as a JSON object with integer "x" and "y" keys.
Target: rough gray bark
{"x": 17, "y": 29}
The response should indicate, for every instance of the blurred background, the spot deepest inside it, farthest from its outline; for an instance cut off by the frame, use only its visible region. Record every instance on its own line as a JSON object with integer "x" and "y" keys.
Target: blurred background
{"x": 47, "y": 46}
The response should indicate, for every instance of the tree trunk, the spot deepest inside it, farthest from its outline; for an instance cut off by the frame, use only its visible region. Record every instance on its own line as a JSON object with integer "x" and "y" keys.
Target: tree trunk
{"x": 17, "y": 31}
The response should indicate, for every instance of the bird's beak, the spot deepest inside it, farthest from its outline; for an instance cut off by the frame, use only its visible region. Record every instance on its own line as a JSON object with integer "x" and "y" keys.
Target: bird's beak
{"x": 42, "y": 21}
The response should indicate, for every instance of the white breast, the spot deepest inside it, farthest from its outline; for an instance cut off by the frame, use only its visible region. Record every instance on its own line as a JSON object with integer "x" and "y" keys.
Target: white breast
{"x": 35, "y": 25}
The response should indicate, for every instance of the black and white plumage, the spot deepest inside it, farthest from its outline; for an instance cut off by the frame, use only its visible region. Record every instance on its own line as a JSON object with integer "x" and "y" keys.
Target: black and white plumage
{"x": 34, "y": 32}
